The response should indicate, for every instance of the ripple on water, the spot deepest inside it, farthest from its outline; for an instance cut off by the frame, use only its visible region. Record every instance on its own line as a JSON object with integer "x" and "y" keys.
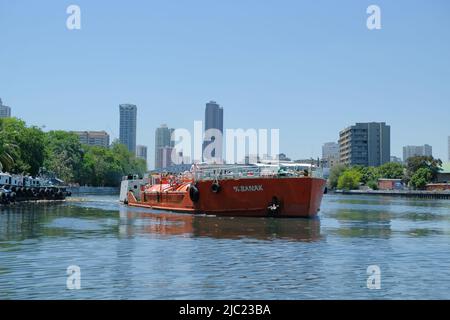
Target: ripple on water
{"x": 132, "y": 253}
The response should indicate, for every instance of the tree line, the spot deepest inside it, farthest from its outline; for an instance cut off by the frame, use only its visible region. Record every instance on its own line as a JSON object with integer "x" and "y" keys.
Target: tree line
{"x": 416, "y": 173}
{"x": 29, "y": 150}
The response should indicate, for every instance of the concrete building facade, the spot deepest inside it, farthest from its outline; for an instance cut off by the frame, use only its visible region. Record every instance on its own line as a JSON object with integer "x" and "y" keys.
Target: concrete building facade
{"x": 411, "y": 151}
{"x": 366, "y": 144}
{"x": 93, "y": 138}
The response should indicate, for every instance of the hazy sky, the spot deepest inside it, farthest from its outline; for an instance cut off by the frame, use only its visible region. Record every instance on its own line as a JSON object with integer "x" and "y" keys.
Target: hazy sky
{"x": 310, "y": 68}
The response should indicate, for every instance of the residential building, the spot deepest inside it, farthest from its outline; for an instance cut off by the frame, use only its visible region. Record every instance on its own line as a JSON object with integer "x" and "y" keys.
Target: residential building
{"x": 412, "y": 151}
{"x": 366, "y": 144}
{"x": 93, "y": 138}
{"x": 128, "y": 119}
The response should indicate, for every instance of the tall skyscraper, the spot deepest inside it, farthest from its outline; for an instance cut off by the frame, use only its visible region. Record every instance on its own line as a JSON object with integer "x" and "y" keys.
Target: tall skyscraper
{"x": 5, "y": 111}
{"x": 128, "y": 116}
{"x": 411, "y": 151}
{"x": 163, "y": 147}
{"x": 141, "y": 152}
{"x": 93, "y": 138}
{"x": 366, "y": 144}
{"x": 214, "y": 120}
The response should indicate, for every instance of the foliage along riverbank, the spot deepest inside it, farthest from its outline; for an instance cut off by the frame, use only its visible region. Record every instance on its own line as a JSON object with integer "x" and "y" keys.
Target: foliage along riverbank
{"x": 416, "y": 173}
{"x": 29, "y": 150}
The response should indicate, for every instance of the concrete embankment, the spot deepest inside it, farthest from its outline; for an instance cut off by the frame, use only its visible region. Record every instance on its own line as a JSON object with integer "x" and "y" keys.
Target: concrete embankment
{"x": 93, "y": 190}
{"x": 399, "y": 193}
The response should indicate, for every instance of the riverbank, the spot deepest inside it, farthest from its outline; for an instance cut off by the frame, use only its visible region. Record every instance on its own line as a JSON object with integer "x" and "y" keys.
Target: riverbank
{"x": 399, "y": 193}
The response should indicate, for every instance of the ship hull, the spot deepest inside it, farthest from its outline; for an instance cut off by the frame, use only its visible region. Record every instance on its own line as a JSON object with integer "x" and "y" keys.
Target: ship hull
{"x": 277, "y": 197}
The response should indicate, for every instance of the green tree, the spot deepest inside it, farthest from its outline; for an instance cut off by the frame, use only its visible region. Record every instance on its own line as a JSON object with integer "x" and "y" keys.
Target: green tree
{"x": 349, "y": 180}
{"x": 391, "y": 170}
{"x": 64, "y": 155}
{"x": 413, "y": 164}
{"x": 106, "y": 166}
{"x": 28, "y": 153}
{"x": 6, "y": 154}
{"x": 421, "y": 177}
{"x": 335, "y": 172}
{"x": 367, "y": 173}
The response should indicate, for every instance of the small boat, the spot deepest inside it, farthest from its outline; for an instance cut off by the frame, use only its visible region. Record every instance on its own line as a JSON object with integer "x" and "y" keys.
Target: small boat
{"x": 256, "y": 191}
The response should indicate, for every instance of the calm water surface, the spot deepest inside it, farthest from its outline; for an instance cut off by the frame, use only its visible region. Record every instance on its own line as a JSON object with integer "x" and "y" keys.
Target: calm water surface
{"x": 127, "y": 253}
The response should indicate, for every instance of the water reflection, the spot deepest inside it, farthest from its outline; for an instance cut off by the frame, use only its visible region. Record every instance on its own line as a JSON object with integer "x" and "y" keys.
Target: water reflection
{"x": 159, "y": 224}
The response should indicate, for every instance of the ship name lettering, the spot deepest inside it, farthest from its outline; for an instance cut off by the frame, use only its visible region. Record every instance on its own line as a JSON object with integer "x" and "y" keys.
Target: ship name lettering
{"x": 254, "y": 188}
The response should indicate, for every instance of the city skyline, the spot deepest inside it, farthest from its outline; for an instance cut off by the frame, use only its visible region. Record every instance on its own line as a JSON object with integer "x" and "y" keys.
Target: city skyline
{"x": 297, "y": 67}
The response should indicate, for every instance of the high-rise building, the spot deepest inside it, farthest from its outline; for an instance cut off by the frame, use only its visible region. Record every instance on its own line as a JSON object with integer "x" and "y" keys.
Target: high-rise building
{"x": 412, "y": 151}
{"x": 5, "y": 111}
{"x": 366, "y": 144}
{"x": 214, "y": 120}
{"x": 93, "y": 138}
{"x": 128, "y": 117}
{"x": 141, "y": 152}
{"x": 163, "y": 143}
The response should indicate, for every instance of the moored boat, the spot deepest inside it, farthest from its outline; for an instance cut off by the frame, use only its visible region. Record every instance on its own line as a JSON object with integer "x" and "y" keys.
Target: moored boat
{"x": 257, "y": 191}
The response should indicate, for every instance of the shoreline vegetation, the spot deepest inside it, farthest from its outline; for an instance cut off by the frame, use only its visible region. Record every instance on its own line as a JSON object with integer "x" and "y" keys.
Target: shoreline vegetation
{"x": 414, "y": 175}
{"x": 29, "y": 150}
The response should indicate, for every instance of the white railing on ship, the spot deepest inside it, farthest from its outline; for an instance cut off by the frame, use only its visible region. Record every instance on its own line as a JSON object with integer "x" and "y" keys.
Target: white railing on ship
{"x": 235, "y": 172}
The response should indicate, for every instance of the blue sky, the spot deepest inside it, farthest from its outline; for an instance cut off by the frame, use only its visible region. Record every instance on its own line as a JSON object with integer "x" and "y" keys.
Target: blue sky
{"x": 310, "y": 68}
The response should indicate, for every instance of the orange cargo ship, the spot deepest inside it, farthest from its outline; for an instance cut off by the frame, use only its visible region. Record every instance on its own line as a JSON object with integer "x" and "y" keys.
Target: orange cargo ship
{"x": 257, "y": 191}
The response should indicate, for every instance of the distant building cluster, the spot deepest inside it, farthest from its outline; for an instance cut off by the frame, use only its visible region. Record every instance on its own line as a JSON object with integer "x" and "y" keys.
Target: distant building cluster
{"x": 368, "y": 144}
{"x": 127, "y": 135}
{"x": 5, "y": 111}
{"x": 93, "y": 138}
{"x": 412, "y": 151}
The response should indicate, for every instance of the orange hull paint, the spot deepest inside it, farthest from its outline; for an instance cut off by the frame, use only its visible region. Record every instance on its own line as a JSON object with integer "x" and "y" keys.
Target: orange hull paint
{"x": 295, "y": 197}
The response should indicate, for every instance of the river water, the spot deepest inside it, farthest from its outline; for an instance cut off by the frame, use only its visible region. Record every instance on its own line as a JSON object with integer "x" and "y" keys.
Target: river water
{"x": 130, "y": 253}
